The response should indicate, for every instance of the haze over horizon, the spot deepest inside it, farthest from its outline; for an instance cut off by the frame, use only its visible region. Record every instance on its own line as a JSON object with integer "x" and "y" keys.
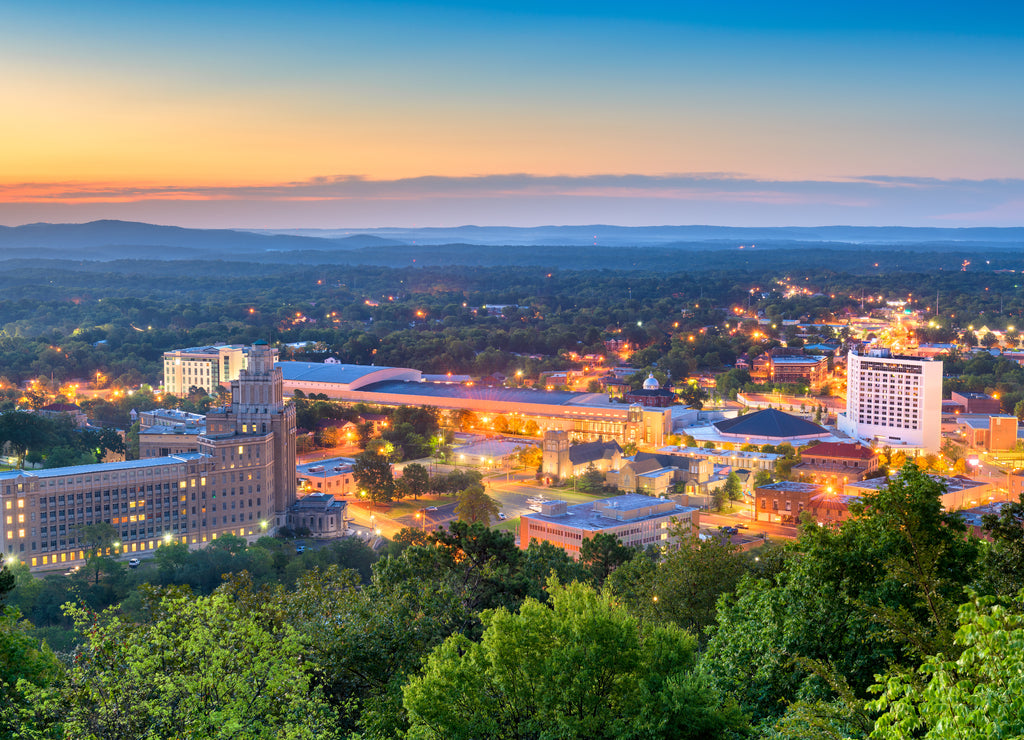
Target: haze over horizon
{"x": 265, "y": 115}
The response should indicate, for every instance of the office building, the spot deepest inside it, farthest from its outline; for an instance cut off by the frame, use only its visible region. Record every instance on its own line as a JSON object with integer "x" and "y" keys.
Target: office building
{"x": 207, "y": 367}
{"x": 893, "y": 401}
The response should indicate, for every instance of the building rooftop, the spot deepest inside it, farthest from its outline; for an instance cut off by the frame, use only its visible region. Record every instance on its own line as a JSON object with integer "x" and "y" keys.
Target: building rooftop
{"x": 841, "y": 450}
{"x": 791, "y": 485}
{"x": 591, "y": 451}
{"x": 175, "y": 414}
{"x": 325, "y": 468}
{"x": 505, "y": 395}
{"x": 326, "y": 372}
{"x": 107, "y": 467}
{"x": 798, "y": 360}
{"x": 952, "y": 483}
{"x": 769, "y": 423}
{"x": 318, "y": 502}
{"x": 657, "y": 473}
{"x": 589, "y": 517}
{"x": 704, "y": 452}
{"x": 972, "y": 517}
{"x": 174, "y": 429}
{"x": 839, "y": 499}
{"x": 210, "y": 349}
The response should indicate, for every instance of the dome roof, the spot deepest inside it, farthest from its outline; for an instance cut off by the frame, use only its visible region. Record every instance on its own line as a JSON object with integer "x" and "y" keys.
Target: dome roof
{"x": 651, "y": 384}
{"x": 770, "y": 423}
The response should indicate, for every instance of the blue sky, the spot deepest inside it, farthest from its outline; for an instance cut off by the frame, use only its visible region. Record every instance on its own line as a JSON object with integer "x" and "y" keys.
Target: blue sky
{"x": 520, "y": 113}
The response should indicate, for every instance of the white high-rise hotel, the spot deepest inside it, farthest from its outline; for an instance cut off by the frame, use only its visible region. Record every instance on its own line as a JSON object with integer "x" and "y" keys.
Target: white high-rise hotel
{"x": 893, "y": 401}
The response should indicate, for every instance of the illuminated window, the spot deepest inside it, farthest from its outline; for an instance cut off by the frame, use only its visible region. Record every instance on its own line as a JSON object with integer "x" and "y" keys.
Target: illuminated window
{"x": 21, "y": 518}
{"x": 239, "y": 449}
{"x": 21, "y": 503}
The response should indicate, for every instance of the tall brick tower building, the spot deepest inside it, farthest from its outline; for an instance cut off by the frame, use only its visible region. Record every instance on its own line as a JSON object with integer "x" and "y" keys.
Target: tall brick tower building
{"x": 256, "y": 434}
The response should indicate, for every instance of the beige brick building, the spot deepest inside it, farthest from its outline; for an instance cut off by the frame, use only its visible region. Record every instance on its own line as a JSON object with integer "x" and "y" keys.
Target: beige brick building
{"x": 241, "y": 481}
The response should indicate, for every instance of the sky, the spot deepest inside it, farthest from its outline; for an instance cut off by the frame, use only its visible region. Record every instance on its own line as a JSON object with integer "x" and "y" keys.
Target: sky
{"x": 344, "y": 115}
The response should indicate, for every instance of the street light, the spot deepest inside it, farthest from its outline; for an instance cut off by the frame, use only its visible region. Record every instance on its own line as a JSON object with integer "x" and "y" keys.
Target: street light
{"x": 264, "y": 524}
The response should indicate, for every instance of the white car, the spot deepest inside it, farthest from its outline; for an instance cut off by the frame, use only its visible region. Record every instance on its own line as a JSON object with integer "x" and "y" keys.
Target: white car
{"x": 134, "y": 563}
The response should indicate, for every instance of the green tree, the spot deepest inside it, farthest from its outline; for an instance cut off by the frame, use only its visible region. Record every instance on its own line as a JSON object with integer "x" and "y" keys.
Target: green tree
{"x": 417, "y": 479}
{"x": 364, "y": 433}
{"x": 592, "y": 480}
{"x": 977, "y": 696}
{"x": 530, "y": 456}
{"x": 63, "y": 456}
{"x": 202, "y": 667}
{"x": 25, "y": 665}
{"x": 475, "y": 506}
{"x": 733, "y": 488}
{"x": 579, "y": 668}
{"x": 694, "y": 395}
{"x": 603, "y": 553}
{"x": 132, "y": 441}
{"x": 96, "y": 539}
{"x": 373, "y": 475}
{"x": 684, "y": 588}
{"x": 879, "y": 591}
{"x": 1004, "y": 560}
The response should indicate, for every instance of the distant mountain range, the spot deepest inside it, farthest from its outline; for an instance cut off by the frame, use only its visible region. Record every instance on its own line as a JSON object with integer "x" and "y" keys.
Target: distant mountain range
{"x": 567, "y": 246}
{"x": 129, "y": 233}
{"x": 639, "y": 236}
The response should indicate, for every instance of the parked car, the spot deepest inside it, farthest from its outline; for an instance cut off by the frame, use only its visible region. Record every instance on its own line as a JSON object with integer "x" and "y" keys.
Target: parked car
{"x": 729, "y": 530}
{"x": 431, "y": 508}
{"x": 501, "y": 515}
{"x": 134, "y": 563}
{"x": 299, "y": 549}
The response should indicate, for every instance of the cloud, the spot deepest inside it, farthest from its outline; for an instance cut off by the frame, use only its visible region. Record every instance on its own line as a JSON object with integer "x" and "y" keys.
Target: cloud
{"x": 675, "y": 198}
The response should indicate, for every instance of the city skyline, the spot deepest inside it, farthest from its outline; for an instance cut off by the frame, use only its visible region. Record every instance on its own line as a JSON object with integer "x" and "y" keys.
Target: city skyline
{"x": 263, "y": 115}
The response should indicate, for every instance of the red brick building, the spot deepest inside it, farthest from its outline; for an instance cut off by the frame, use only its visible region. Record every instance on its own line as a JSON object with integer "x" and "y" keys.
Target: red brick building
{"x": 836, "y": 463}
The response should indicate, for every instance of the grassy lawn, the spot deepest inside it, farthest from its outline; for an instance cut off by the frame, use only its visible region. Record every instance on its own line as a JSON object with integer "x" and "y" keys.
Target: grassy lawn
{"x": 408, "y": 507}
{"x": 573, "y": 497}
{"x": 509, "y": 525}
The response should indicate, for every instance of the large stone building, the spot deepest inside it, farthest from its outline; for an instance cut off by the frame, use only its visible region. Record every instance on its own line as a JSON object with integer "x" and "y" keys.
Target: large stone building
{"x": 893, "y": 401}
{"x": 637, "y": 520}
{"x": 565, "y": 460}
{"x": 241, "y": 482}
{"x": 791, "y": 366}
{"x": 207, "y": 367}
{"x": 584, "y": 416}
{"x": 319, "y": 513}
